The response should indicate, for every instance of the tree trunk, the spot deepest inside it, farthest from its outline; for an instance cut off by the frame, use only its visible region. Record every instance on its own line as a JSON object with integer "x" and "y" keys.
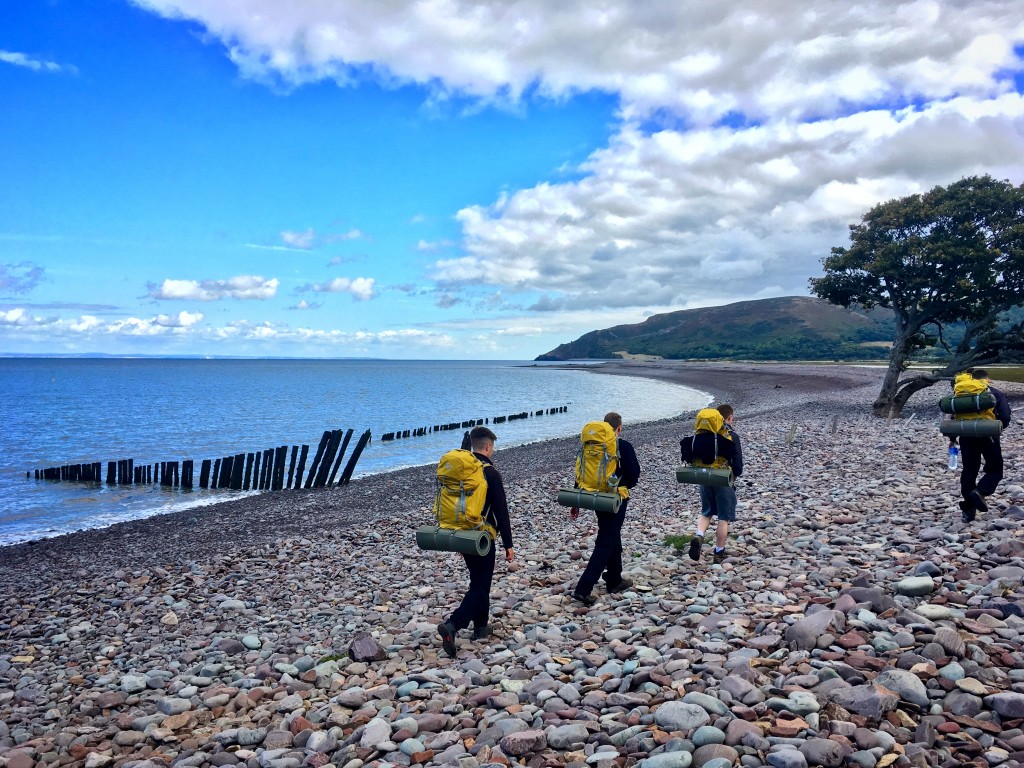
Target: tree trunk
{"x": 909, "y": 387}
{"x": 885, "y": 404}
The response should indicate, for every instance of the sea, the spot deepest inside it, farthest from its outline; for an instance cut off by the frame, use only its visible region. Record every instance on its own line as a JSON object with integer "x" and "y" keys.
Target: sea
{"x": 59, "y": 411}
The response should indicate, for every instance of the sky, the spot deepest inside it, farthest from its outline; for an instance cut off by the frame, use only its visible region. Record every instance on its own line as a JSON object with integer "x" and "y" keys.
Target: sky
{"x": 453, "y": 180}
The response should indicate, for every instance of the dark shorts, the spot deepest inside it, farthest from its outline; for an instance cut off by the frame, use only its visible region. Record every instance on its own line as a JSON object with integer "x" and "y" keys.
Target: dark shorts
{"x": 718, "y": 502}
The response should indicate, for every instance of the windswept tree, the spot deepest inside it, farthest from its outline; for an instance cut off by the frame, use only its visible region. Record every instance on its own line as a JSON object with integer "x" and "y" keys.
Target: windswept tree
{"x": 952, "y": 256}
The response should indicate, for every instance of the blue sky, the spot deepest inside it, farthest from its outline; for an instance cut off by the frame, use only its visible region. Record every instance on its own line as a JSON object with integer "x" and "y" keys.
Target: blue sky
{"x": 441, "y": 179}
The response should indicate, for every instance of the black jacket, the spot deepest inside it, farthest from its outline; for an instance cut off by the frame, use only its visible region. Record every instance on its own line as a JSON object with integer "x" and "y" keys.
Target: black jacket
{"x": 629, "y": 467}
{"x": 702, "y": 447}
{"x": 495, "y": 503}
{"x": 1003, "y": 411}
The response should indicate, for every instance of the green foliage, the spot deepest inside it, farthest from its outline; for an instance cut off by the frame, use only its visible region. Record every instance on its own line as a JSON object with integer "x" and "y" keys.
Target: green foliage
{"x": 679, "y": 542}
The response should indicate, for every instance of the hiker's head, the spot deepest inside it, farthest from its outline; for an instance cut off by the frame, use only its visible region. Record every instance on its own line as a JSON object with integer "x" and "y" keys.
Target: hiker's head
{"x": 482, "y": 440}
{"x": 614, "y": 420}
{"x": 979, "y": 373}
{"x": 726, "y": 410}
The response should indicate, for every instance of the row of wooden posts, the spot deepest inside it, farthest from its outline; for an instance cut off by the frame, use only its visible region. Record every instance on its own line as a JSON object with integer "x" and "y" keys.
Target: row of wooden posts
{"x": 469, "y": 423}
{"x": 269, "y": 470}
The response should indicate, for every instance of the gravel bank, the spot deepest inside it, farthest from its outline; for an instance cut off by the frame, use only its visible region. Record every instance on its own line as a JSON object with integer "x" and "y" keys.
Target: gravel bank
{"x": 857, "y": 621}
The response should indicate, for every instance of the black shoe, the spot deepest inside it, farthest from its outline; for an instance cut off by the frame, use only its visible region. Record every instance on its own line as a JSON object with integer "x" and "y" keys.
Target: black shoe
{"x": 977, "y": 500}
{"x": 966, "y": 512}
{"x": 482, "y": 633}
{"x": 695, "y": 543}
{"x": 447, "y": 632}
{"x": 719, "y": 555}
{"x": 587, "y": 600}
{"x": 622, "y": 586}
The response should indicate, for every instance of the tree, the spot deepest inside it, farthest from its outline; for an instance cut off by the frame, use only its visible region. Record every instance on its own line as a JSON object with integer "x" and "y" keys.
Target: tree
{"x": 952, "y": 255}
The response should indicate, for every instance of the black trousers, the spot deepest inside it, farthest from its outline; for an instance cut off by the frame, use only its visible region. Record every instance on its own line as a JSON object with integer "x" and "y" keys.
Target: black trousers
{"x": 476, "y": 603}
{"x": 607, "y": 554}
{"x": 972, "y": 451}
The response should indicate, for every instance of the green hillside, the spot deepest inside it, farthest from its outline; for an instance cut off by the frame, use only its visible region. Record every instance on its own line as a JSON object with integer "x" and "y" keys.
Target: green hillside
{"x": 788, "y": 328}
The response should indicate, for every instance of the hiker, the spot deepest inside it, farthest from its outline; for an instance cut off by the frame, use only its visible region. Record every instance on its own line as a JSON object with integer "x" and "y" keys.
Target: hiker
{"x": 607, "y": 554}
{"x": 719, "y": 448}
{"x": 975, "y": 449}
{"x": 476, "y": 603}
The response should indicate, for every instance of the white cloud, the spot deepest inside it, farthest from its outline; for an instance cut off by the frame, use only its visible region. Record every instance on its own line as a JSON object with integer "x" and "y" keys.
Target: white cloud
{"x": 426, "y": 246}
{"x": 352, "y": 234}
{"x": 756, "y": 57}
{"x": 241, "y": 287}
{"x": 15, "y": 316}
{"x": 181, "y": 320}
{"x": 361, "y": 288}
{"x": 839, "y": 107}
{"x": 36, "y": 65}
{"x": 656, "y": 216}
{"x": 301, "y": 240}
{"x": 17, "y": 324}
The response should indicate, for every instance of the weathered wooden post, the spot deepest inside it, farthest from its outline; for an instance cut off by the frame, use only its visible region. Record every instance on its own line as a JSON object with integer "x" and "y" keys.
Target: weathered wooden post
{"x": 341, "y": 455}
{"x": 237, "y": 468}
{"x": 346, "y": 476}
{"x": 204, "y": 474}
{"x": 267, "y": 469}
{"x": 248, "y": 472}
{"x": 315, "y": 466}
{"x": 302, "y": 466}
{"x": 280, "y": 455}
{"x": 215, "y": 478}
{"x": 291, "y": 467}
{"x": 327, "y": 459}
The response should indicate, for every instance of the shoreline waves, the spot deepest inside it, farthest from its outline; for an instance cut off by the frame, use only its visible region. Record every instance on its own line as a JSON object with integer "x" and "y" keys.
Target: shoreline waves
{"x": 856, "y": 622}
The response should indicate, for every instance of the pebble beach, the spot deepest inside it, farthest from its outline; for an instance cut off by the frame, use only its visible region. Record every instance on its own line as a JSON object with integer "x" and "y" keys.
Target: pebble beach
{"x": 857, "y": 621}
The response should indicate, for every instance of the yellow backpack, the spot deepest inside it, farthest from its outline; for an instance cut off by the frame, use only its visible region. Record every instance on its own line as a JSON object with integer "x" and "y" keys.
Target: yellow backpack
{"x": 965, "y": 384}
{"x": 711, "y": 420}
{"x": 598, "y": 459}
{"x": 461, "y": 492}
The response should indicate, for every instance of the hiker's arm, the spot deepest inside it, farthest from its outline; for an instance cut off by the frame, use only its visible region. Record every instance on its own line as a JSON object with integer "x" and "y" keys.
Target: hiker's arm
{"x": 498, "y": 505}
{"x": 737, "y": 460}
{"x": 1003, "y": 411}
{"x": 629, "y": 471}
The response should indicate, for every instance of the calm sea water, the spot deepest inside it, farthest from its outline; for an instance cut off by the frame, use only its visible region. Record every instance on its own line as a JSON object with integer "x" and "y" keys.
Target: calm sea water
{"x": 69, "y": 411}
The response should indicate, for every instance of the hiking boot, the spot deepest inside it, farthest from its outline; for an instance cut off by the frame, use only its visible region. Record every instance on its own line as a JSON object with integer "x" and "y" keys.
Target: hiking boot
{"x": 447, "y": 633}
{"x": 695, "y": 544}
{"x": 719, "y": 555}
{"x": 482, "y": 633}
{"x": 966, "y": 511}
{"x": 622, "y": 586}
{"x": 977, "y": 500}
{"x": 587, "y": 600}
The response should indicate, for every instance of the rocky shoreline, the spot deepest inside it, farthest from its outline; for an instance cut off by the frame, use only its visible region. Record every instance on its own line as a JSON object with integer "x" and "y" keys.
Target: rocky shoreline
{"x": 856, "y": 622}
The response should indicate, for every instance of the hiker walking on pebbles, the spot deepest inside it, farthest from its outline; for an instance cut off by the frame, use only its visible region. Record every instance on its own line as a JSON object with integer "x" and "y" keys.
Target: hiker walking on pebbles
{"x": 476, "y": 603}
{"x": 975, "y": 448}
{"x": 622, "y": 467}
{"x": 714, "y": 444}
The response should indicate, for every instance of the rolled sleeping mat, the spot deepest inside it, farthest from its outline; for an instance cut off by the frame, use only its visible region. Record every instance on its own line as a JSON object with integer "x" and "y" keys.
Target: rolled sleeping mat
{"x": 602, "y": 503}
{"x": 971, "y": 427}
{"x": 433, "y": 538}
{"x": 967, "y": 403}
{"x": 705, "y": 475}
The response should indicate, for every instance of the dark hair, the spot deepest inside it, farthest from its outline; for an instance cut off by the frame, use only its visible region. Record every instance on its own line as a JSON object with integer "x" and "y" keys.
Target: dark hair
{"x": 480, "y": 436}
{"x": 614, "y": 419}
{"x": 726, "y": 410}
{"x": 979, "y": 373}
